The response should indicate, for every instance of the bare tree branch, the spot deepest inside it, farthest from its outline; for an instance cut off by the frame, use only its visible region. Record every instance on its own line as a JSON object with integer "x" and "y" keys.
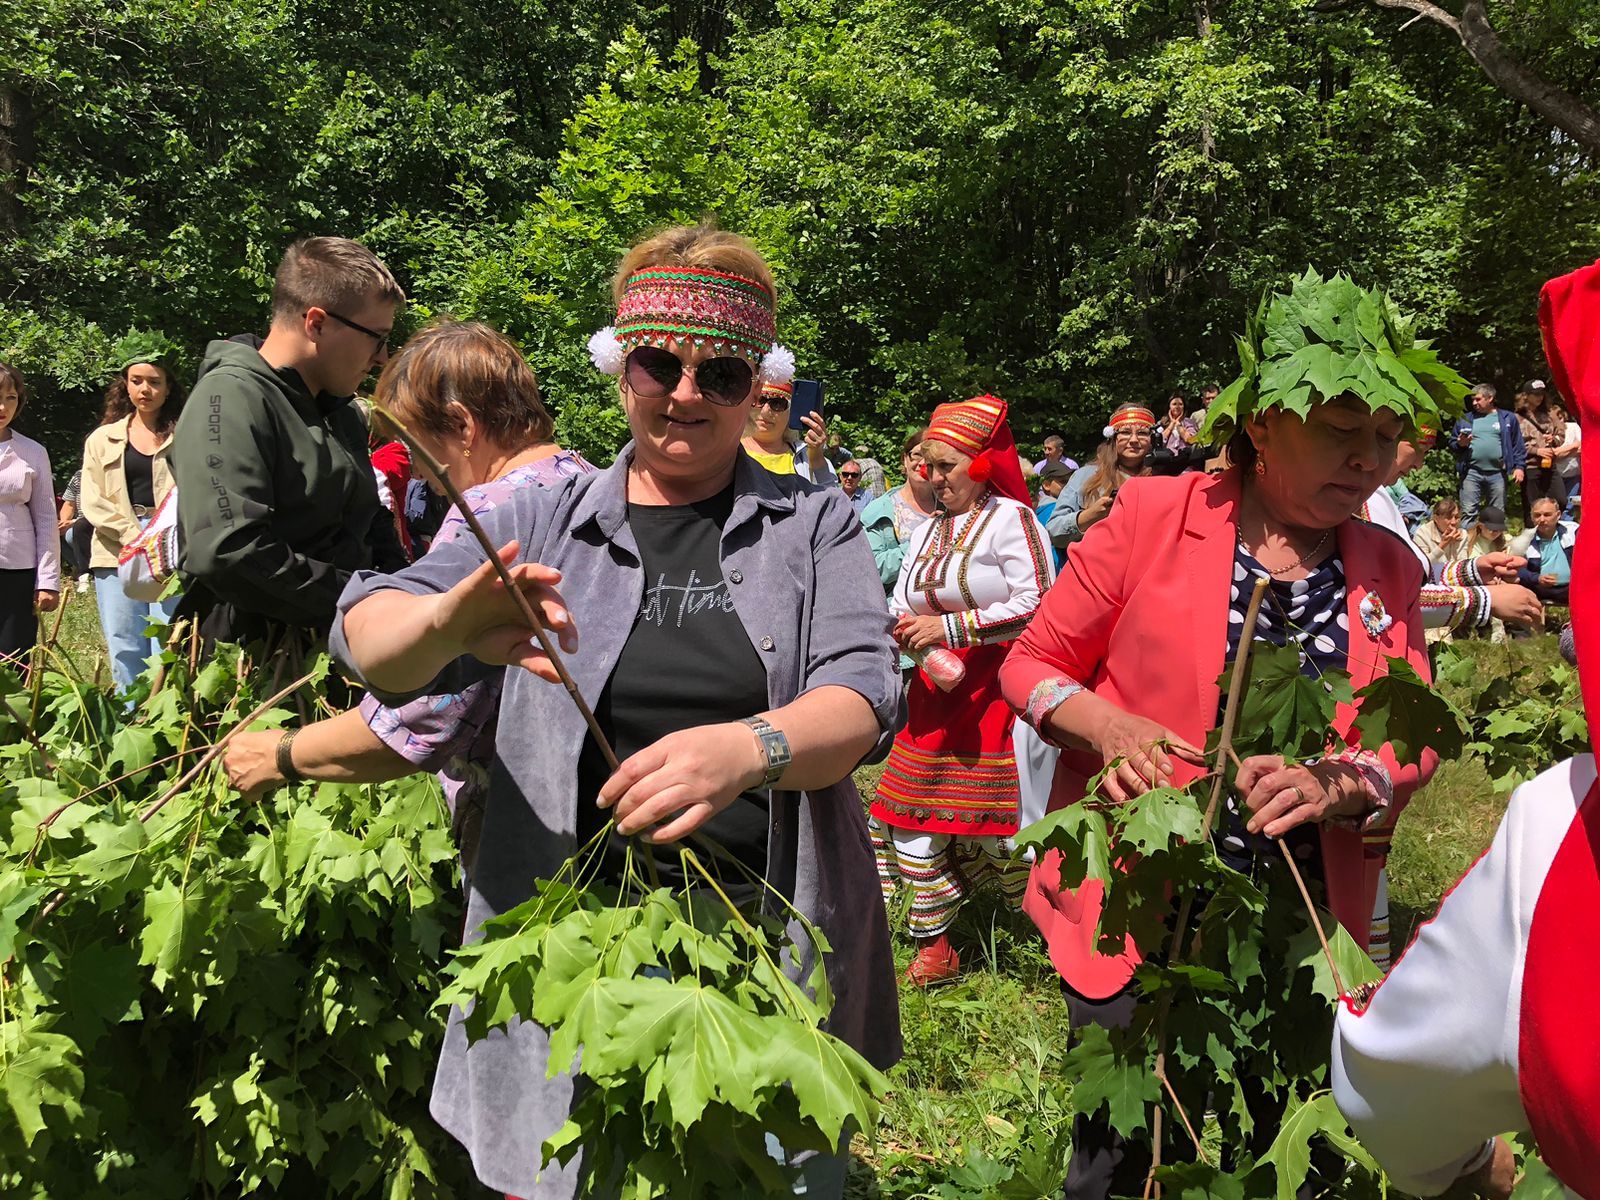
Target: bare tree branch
{"x": 1573, "y": 117}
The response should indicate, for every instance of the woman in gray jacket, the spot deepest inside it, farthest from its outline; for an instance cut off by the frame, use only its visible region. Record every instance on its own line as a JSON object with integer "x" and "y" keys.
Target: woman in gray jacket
{"x": 734, "y": 643}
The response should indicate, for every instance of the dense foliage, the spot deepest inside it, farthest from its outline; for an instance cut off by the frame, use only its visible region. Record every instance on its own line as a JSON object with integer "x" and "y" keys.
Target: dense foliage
{"x": 1522, "y": 721}
{"x": 1237, "y": 1010}
{"x": 208, "y": 996}
{"x": 205, "y": 996}
{"x": 1071, "y": 202}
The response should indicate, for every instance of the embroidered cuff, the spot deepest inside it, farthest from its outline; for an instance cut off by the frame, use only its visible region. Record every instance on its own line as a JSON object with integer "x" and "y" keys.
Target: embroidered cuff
{"x": 1046, "y": 697}
{"x": 1375, "y": 782}
{"x": 956, "y": 632}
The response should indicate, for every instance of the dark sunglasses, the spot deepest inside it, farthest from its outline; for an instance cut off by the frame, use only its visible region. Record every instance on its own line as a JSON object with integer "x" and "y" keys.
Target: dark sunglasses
{"x": 778, "y": 404}
{"x": 849, "y": 474}
{"x": 653, "y": 373}
{"x": 381, "y": 338}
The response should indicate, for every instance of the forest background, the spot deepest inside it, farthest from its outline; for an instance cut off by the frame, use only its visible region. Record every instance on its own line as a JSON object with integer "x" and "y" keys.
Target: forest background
{"x": 1069, "y": 202}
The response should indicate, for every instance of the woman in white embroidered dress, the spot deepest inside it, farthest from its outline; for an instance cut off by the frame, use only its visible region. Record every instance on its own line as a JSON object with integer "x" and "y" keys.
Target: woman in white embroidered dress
{"x": 972, "y": 578}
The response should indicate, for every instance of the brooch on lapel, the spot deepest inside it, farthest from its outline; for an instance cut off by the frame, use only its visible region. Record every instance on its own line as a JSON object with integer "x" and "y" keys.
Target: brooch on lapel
{"x": 1374, "y": 616}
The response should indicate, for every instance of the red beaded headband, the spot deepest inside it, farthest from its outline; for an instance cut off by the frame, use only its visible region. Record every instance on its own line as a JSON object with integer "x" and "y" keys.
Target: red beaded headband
{"x": 732, "y": 314}
{"x": 1130, "y": 416}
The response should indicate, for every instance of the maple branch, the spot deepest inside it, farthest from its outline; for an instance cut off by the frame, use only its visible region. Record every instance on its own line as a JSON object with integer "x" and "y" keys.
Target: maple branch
{"x": 221, "y": 744}
{"x": 521, "y": 601}
{"x": 1316, "y": 921}
{"x": 1180, "y": 946}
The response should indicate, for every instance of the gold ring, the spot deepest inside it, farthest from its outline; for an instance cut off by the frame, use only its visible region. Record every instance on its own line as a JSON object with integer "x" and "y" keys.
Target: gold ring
{"x": 1299, "y": 795}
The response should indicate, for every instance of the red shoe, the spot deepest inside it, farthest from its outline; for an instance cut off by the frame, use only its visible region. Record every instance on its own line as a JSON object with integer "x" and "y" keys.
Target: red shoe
{"x": 935, "y": 963}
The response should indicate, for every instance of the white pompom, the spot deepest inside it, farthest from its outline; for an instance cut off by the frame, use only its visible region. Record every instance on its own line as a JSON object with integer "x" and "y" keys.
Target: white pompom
{"x": 605, "y": 351}
{"x": 777, "y": 366}
{"x": 1108, "y": 432}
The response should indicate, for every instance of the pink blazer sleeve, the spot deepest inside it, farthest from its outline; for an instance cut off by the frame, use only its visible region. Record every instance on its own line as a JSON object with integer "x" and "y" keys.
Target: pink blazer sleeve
{"x": 1071, "y": 631}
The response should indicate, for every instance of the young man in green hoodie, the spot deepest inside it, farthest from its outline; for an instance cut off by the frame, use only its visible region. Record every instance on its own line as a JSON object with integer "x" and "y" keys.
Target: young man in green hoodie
{"x": 278, "y": 506}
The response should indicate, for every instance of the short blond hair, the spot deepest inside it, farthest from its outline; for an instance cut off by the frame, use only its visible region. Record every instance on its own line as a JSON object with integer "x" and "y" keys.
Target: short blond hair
{"x": 333, "y": 274}
{"x": 703, "y": 246}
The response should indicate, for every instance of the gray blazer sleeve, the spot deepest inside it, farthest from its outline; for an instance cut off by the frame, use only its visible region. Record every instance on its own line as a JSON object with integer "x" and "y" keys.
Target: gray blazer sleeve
{"x": 850, "y": 644}
{"x": 444, "y": 566}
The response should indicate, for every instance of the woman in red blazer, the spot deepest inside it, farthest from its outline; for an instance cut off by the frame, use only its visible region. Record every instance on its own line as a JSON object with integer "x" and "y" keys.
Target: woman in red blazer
{"x": 1128, "y": 645}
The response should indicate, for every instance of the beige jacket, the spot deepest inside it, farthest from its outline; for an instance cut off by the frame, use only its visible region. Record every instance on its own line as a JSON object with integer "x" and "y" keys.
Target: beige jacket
{"x": 104, "y": 490}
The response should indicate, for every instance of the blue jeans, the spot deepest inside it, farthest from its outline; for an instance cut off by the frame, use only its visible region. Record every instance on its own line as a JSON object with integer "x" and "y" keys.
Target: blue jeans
{"x": 124, "y": 622}
{"x": 1477, "y": 485}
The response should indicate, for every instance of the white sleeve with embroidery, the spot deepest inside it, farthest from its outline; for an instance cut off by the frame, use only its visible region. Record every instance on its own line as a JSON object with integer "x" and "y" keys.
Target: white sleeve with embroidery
{"x": 1428, "y": 1073}
{"x": 1017, "y": 544}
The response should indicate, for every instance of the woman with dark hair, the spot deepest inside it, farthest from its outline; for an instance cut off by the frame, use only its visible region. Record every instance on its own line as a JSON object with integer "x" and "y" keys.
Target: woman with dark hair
{"x": 1124, "y": 455}
{"x": 126, "y": 476}
{"x": 467, "y": 395}
{"x": 893, "y": 517}
{"x": 1120, "y": 665}
{"x": 30, "y": 572}
{"x": 1544, "y": 433}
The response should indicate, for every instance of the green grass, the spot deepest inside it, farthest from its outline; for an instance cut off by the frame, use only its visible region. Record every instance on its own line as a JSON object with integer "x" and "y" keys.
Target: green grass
{"x": 79, "y": 640}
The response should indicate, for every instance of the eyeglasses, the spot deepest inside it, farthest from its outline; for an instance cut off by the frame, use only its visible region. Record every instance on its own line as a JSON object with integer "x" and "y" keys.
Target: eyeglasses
{"x": 849, "y": 474}
{"x": 652, "y": 372}
{"x": 381, "y": 338}
{"x": 778, "y": 404}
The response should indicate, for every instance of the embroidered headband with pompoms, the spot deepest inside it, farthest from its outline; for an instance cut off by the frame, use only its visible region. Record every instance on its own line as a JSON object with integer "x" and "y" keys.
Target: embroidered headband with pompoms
{"x": 733, "y": 314}
{"x": 1129, "y": 416}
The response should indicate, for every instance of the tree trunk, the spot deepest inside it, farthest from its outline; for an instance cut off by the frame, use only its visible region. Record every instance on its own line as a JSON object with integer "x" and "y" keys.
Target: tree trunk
{"x": 16, "y": 155}
{"x": 1566, "y": 112}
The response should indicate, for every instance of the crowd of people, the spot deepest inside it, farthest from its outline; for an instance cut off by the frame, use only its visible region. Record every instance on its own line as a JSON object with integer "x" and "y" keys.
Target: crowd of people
{"x": 753, "y": 611}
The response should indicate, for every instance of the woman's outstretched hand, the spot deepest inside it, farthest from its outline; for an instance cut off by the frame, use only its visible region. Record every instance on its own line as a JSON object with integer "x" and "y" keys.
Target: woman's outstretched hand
{"x": 1149, "y": 752}
{"x": 480, "y": 616}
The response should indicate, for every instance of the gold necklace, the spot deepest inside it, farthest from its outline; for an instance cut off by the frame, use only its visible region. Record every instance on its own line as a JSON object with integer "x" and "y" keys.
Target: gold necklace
{"x": 1276, "y": 571}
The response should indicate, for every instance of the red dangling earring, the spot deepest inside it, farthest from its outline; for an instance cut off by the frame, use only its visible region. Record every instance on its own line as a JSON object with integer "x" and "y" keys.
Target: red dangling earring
{"x": 1261, "y": 463}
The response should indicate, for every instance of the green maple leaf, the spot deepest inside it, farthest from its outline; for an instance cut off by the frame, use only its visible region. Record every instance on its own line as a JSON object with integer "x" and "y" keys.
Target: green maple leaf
{"x": 39, "y": 1069}
{"x": 132, "y": 749}
{"x": 1539, "y": 1182}
{"x": 832, "y": 1083}
{"x": 1355, "y": 968}
{"x": 17, "y": 898}
{"x": 1196, "y": 1181}
{"x": 1080, "y": 833}
{"x": 175, "y": 922}
{"x": 716, "y": 1054}
{"x": 1126, "y": 1087}
{"x": 1152, "y": 822}
{"x": 1290, "y": 1153}
{"x": 1401, "y": 709}
{"x": 1285, "y": 712}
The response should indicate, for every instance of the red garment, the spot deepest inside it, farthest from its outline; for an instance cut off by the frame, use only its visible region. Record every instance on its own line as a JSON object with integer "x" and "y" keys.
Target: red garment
{"x": 1559, "y": 1079}
{"x": 1139, "y": 615}
{"x": 393, "y": 461}
{"x": 952, "y": 768}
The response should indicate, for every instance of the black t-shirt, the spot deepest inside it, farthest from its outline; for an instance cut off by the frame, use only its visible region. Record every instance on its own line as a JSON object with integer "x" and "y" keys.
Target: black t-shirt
{"x": 687, "y": 662}
{"x": 139, "y": 472}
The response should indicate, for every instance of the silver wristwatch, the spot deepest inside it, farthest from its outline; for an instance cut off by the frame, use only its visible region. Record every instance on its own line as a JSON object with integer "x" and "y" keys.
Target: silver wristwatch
{"x": 774, "y": 745}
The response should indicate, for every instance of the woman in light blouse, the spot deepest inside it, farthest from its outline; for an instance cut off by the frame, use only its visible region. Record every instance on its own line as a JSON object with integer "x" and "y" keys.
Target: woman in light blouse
{"x": 125, "y": 478}
{"x": 30, "y": 570}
